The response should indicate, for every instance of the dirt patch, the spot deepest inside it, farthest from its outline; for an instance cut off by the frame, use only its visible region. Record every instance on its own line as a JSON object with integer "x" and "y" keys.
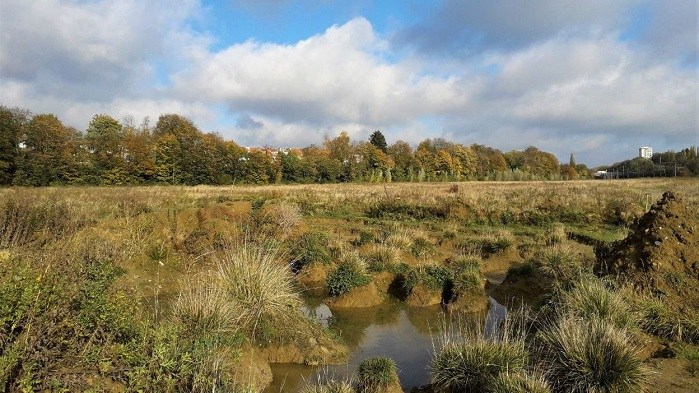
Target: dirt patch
{"x": 469, "y": 302}
{"x": 521, "y": 287}
{"x": 671, "y": 375}
{"x": 359, "y": 297}
{"x": 661, "y": 255}
{"x": 252, "y": 367}
{"x": 423, "y": 296}
{"x": 495, "y": 268}
{"x": 313, "y": 278}
{"x": 312, "y": 352}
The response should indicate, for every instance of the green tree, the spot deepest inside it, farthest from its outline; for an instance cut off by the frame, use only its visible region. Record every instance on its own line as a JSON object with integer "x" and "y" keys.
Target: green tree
{"x": 377, "y": 139}
{"x": 49, "y": 153}
{"x": 105, "y": 143}
{"x": 13, "y": 122}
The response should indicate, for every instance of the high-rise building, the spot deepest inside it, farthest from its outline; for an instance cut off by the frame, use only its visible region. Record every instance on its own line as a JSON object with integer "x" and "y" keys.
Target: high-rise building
{"x": 645, "y": 152}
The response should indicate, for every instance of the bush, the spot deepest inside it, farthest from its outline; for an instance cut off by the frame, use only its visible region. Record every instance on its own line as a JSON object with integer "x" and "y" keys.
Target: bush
{"x": 376, "y": 374}
{"x": 590, "y": 356}
{"x": 349, "y": 274}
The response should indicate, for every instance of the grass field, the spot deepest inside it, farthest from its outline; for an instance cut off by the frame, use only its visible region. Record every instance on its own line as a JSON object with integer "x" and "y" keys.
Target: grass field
{"x": 169, "y": 288}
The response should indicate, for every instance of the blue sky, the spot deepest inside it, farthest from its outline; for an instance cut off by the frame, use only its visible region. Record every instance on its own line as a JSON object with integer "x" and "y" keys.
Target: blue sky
{"x": 594, "y": 78}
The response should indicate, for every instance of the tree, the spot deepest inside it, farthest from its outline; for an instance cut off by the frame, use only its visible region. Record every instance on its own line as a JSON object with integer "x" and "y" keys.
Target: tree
{"x": 105, "y": 143}
{"x": 406, "y": 165}
{"x": 13, "y": 122}
{"x": 377, "y": 139}
{"x": 49, "y": 154}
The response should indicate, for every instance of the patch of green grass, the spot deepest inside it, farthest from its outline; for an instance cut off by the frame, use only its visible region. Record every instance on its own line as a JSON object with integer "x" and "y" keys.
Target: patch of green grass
{"x": 589, "y": 298}
{"x": 658, "y": 319}
{"x": 466, "y": 274}
{"x": 375, "y": 374}
{"x": 349, "y": 274}
{"x": 434, "y": 277}
{"x": 421, "y": 248}
{"x": 311, "y": 247}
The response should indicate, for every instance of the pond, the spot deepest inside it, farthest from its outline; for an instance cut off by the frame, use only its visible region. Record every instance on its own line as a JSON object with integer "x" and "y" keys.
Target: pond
{"x": 407, "y": 335}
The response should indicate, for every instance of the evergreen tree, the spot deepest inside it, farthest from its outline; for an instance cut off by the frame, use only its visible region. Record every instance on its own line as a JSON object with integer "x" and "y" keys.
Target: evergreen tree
{"x": 377, "y": 139}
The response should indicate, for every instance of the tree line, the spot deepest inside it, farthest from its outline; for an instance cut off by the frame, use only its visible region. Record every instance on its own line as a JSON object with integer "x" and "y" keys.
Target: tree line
{"x": 39, "y": 150}
{"x": 666, "y": 164}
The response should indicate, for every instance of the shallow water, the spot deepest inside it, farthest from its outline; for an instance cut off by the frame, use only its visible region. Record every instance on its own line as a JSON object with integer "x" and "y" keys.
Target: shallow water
{"x": 406, "y": 335}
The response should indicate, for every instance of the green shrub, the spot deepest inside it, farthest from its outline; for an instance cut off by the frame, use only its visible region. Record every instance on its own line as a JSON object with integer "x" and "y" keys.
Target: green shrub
{"x": 348, "y": 274}
{"x": 376, "y": 373}
{"x": 590, "y": 356}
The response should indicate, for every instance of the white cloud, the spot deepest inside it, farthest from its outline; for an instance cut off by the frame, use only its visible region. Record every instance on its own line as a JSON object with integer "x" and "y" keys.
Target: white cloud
{"x": 335, "y": 77}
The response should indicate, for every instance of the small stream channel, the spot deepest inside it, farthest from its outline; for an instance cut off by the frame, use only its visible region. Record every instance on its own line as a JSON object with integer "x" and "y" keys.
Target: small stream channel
{"x": 406, "y": 335}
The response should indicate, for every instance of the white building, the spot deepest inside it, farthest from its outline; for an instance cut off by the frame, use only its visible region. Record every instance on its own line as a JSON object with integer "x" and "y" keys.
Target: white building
{"x": 645, "y": 152}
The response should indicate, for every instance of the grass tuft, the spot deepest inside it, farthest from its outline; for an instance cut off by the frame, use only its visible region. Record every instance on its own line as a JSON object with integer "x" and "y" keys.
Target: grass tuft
{"x": 376, "y": 374}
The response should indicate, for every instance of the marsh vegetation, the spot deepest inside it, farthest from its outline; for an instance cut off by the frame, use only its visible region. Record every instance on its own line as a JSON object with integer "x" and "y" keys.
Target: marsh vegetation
{"x": 200, "y": 288}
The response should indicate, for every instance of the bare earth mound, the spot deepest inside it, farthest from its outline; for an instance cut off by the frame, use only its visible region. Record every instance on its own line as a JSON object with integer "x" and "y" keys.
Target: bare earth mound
{"x": 661, "y": 255}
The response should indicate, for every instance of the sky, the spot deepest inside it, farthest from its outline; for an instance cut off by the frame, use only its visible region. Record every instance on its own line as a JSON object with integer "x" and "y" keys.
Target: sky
{"x": 596, "y": 78}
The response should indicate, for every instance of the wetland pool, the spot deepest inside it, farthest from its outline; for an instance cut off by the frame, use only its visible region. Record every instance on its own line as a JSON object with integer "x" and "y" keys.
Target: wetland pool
{"x": 407, "y": 335}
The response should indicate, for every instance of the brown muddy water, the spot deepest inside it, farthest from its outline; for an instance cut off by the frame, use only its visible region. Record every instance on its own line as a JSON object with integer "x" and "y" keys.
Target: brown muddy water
{"x": 407, "y": 335}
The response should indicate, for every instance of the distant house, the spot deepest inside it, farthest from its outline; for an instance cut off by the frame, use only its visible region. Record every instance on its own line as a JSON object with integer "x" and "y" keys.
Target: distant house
{"x": 645, "y": 152}
{"x": 600, "y": 174}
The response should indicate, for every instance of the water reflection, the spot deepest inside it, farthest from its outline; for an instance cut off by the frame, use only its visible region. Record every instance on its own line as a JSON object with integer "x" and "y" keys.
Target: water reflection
{"x": 407, "y": 335}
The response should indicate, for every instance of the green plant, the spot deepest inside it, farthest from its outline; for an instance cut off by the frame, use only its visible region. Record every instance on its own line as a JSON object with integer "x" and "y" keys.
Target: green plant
{"x": 590, "y": 355}
{"x": 350, "y": 273}
{"x": 381, "y": 258}
{"x": 203, "y": 307}
{"x": 376, "y": 373}
{"x": 561, "y": 264}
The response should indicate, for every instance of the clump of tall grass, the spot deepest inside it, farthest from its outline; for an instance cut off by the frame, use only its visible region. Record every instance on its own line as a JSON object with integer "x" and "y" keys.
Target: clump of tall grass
{"x": 381, "y": 257}
{"x": 519, "y": 383}
{"x": 329, "y": 384}
{"x": 466, "y": 274}
{"x": 432, "y": 276}
{"x": 350, "y": 273}
{"x": 658, "y": 319}
{"x": 311, "y": 247}
{"x": 589, "y": 298}
{"x": 470, "y": 361}
{"x": 203, "y": 306}
{"x": 375, "y": 374}
{"x": 589, "y": 355}
{"x": 561, "y": 264}
{"x": 557, "y": 235}
{"x": 262, "y": 289}
{"x": 421, "y": 247}
{"x": 400, "y": 239}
